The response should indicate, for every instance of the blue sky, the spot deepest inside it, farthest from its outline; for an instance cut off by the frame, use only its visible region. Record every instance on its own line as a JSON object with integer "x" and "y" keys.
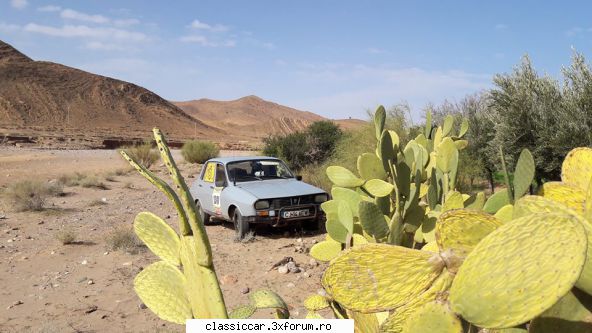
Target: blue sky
{"x": 334, "y": 58}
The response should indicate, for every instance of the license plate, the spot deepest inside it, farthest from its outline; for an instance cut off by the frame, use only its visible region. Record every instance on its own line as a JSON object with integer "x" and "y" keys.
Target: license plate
{"x": 296, "y": 213}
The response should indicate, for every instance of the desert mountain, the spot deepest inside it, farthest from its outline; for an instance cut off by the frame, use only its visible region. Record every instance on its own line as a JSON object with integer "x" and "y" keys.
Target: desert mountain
{"x": 45, "y": 96}
{"x": 253, "y": 117}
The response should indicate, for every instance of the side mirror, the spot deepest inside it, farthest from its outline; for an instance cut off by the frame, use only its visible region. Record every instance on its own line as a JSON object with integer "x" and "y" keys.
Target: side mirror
{"x": 298, "y": 177}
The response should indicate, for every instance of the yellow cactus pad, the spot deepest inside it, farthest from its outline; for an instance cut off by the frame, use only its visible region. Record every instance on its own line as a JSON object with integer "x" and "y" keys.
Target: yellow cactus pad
{"x": 160, "y": 238}
{"x": 573, "y": 314}
{"x": 379, "y": 277}
{"x": 313, "y": 315}
{"x": 316, "y": 302}
{"x": 431, "y": 247}
{"x": 462, "y": 229}
{"x": 454, "y": 200}
{"x": 364, "y": 322}
{"x": 242, "y": 312}
{"x": 378, "y": 188}
{"x": 267, "y": 299}
{"x": 325, "y": 250}
{"x": 569, "y": 195}
{"x": 161, "y": 286}
{"x": 395, "y": 322}
{"x": 433, "y": 317}
{"x": 576, "y": 169}
{"x": 519, "y": 270}
{"x": 505, "y": 213}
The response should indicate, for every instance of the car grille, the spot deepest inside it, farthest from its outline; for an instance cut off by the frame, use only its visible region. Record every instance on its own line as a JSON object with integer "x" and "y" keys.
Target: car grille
{"x": 292, "y": 201}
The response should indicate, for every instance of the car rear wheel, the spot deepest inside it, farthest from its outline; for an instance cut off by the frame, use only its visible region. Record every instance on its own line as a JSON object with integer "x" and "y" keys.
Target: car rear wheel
{"x": 205, "y": 217}
{"x": 241, "y": 226}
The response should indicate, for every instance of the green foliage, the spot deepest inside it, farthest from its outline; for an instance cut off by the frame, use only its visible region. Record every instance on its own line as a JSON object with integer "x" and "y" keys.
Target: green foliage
{"x": 197, "y": 151}
{"x": 143, "y": 153}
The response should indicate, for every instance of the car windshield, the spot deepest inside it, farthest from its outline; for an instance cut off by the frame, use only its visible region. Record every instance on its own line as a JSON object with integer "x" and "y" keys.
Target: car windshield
{"x": 258, "y": 170}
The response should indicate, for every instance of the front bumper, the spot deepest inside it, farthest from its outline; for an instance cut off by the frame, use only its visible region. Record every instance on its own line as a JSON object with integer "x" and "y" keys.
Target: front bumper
{"x": 315, "y": 213}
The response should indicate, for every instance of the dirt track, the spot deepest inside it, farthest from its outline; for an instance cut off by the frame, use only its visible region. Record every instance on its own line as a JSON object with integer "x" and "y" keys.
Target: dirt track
{"x": 52, "y": 280}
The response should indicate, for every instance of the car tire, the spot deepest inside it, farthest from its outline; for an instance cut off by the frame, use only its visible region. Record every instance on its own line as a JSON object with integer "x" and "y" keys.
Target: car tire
{"x": 313, "y": 225}
{"x": 241, "y": 226}
{"x": 205, "y": 217}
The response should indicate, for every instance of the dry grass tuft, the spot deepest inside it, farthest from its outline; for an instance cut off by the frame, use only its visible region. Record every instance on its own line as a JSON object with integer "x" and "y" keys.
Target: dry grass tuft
{"x": 143, "y": 154}
{"x": 66, "y": 236}
{"x": 124, "y": 239}
{"x": 31, "y": 195}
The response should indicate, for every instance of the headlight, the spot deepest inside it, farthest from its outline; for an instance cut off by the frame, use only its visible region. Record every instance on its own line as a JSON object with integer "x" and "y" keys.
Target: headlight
{"x": 320, "y": 198}
{"x": 262, "y": 204}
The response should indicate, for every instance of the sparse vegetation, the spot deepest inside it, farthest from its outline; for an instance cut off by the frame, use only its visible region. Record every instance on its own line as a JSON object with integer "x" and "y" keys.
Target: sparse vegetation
{"x": 248, "y": 238}
{"x": 97, "y": 202}
{"x": 31, "y": 195}
{"x": 143, "y": 153}
{"x": 94, "y": 182}
{"x": 66, "y": 236}
{"x": 199, "y": 151}
{"x": 124, "y": 239}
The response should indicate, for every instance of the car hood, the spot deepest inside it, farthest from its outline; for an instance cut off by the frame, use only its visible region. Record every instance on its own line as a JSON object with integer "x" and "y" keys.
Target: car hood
{"x": 278, "y": 188}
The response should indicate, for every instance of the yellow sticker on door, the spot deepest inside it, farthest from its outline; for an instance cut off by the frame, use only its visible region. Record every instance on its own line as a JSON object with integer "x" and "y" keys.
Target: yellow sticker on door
{"x": 210, "y": 173}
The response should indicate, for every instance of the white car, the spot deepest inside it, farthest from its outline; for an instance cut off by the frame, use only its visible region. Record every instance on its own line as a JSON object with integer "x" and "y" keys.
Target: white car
{"x": 256, "y": 190}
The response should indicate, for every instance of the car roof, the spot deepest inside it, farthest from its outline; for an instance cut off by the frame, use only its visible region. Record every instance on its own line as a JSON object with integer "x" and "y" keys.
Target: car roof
{"x": 226, "y": 160}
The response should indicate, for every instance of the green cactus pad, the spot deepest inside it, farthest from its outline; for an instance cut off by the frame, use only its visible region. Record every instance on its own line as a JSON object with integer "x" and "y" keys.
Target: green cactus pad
{"x": 372, "y": 220}
{"x": 370, "y": 167}
{"x": 378, "y": 188}
{"x": 161, "y": 286}
{"x": 395, "y": 321}
{"x": 445, "y": 155}
{"x": 158, "y": 236}
{"x": 433, "y": 317}
{"x": 524, "y": 173}
{"x": 342, "y": 177}
{"x": 336, "y": 230}
{"x": 505, "y": 213}
{"x": 454, "y": 200}
{"x": 496, "y": 201}
{"x": 313, "y": 315}
{"x": 379, "y": 119}
{"x": 475, "y": 201}
{"x": 351, "y": 197}
{"x": 326, "y": 250}
{"x": 316, "y": 303}
{"x": 464, "y": 127}
{"x": 461, "y": 144}
{"x": 573, "y": 314}
{"x": 267, "y": 299}
{"x": 519, "y": 270}
{"x": 242, "y": 312}
{"x": 447, "y": 126}
{"x": 360, "y": 281}
{"x": 462, "y": 229}
{"x": 568, "y": 195}
{"x": 576, "y": 169}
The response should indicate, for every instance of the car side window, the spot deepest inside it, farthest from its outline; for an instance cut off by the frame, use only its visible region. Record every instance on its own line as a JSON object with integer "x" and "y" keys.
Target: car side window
{"x": 220, "y": 176}
{"x": 209, "y": 174}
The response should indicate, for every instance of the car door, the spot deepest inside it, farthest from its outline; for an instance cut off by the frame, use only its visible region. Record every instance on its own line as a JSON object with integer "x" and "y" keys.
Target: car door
{"x": 206, "y": 187}
{"x": 219, "y": 185}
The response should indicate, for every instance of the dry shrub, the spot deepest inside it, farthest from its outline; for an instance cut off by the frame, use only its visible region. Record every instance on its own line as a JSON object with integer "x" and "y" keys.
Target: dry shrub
{"x": 72, "y": 179}
{"x": 199, "y": 151}
{"x": 66, "y": 236}
{"x": 31, "y": 195}
{"x": 143, "y": 154}
{"x": 93, "y": 181}
{"x": 124, "y": 239}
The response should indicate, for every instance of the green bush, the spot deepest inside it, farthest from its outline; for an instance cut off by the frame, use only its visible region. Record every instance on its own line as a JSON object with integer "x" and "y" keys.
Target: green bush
{"x": 199, "y": 151}
{"x": 31, "y": 195}
{"x": 143, "y": 154}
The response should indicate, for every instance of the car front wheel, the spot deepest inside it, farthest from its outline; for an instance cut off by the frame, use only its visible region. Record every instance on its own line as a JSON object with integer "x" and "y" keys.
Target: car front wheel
{"x": 241, "y": 226}
{"x": 205, "y": 217}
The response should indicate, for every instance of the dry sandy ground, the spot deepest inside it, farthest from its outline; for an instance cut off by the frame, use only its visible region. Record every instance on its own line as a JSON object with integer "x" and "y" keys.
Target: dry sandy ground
{"x": 45, "y": 285}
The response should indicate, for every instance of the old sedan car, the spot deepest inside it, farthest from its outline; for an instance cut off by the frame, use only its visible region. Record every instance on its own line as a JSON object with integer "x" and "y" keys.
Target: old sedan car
{"x": 256, "y": 190}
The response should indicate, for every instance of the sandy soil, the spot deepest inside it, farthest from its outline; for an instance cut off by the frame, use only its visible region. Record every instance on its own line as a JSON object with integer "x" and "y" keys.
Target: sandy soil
{"x": 45, "y": 285}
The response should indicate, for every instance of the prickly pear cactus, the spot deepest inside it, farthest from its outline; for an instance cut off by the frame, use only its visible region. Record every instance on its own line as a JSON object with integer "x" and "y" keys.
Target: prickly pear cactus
{"x": 433, "y": 317}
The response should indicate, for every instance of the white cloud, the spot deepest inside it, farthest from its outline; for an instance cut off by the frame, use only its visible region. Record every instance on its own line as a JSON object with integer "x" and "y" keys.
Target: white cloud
{"x": 75, "y": 15}
{"x": 197, "y": 24}
{"x": 8, "y": 28}
{"x": 204, "y": 41}
{"x": 19, "y": 4}
{"x": 70, "y": 31}
{"x": 574, "y": 31}
{"x": 126, "y": 22}
{"x": 101, "y": 46}
{"x": 49, "y": 8}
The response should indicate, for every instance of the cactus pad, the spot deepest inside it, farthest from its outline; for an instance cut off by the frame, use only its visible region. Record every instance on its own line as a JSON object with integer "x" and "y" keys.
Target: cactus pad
{"x": 267, "y": 299}
{"x": 569, "y": 195}
{"x": 316, "y": 303}
{"x": 433, "y": 317}
{"x": 514, "y": 274}
{"x": 370, "y": 167}
{"x": 378, "y": 188}
{"x": 372, "y": 220}
{"x": 454, "y": 200}
{"x": 160, "y": 238}
{"x": 576, "y": 169}
{"x": 342, "y": 177}
{"x": 325, "y": 250}
{"x": 462, "y": 229}
{"x": 431, "y": 247}
{"x": 496, "y": 201}
{"x": 242, "y": 312}
{"x": 359, "y": 279}
{"x": 161, "y": 286}
{"x": 573, "y": 314}
{"x": 351, "y": 197}
{"x": 505, "y": 214}
{"x": 313, "y": 315}
{"x": 364, "y": 322}
{"x": 524, "y": 173}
